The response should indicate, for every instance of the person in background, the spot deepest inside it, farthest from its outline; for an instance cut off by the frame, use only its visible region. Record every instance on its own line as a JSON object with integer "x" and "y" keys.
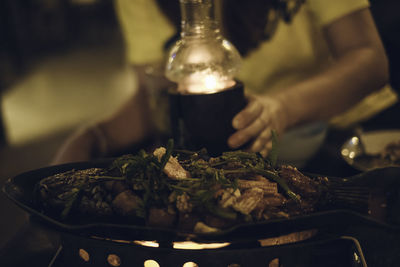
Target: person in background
{"x": 306, "y": 64}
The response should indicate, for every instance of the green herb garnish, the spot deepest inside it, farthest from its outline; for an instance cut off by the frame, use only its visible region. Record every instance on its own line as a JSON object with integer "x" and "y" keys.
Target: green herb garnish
{"x": 273, "y": 154}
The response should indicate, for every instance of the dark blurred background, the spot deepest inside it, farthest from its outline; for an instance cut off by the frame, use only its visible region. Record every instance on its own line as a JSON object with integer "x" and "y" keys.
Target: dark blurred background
{"x": 34, "y": 29}
{"x": 63, "y": 61}
{"x": 55, "y": 58}
{"x": 60, "y": 63}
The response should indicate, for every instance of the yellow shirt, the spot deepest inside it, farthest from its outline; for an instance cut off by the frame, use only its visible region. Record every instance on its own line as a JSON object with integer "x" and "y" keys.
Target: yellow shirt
{"x": 297, "y": 50}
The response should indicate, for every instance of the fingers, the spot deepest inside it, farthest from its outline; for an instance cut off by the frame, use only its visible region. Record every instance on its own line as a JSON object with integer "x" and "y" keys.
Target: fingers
{"x": 254, "y": 123}
{"x": 264, "y": 152}
{"x": 241, "y": 137}
{"x": 247, "y": 115}
{"x": 261, "y": 141}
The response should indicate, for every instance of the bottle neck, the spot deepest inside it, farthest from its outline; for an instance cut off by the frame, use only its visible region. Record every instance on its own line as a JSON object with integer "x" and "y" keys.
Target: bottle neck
{"x": 198, "y": 19}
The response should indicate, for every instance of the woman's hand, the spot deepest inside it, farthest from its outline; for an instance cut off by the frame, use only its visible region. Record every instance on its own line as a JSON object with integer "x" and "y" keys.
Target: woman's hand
{"x": 255, "y": 123}
{"x": 360, "y": 66}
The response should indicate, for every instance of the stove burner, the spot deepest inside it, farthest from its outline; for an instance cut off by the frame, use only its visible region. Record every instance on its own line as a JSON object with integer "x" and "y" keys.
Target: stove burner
{"x": 82, "y": 251}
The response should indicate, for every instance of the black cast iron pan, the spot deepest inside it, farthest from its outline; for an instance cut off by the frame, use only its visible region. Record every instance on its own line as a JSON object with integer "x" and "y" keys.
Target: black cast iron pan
{"x": 20, "y": 190}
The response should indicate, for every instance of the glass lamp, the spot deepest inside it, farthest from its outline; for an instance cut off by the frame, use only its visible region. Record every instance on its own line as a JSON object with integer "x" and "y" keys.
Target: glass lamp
{"x": 202, "y": 61}
{"x": 203, "y": 65}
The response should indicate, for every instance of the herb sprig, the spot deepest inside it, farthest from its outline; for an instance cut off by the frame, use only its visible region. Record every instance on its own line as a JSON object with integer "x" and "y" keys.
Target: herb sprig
{"x": 145, "y": 171}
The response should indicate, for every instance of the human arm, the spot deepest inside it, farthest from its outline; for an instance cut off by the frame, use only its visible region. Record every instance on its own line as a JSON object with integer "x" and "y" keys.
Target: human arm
{"x": 130, "y": 124}
{"x": 145, "y": 30}
{"x": 360, "y": 67}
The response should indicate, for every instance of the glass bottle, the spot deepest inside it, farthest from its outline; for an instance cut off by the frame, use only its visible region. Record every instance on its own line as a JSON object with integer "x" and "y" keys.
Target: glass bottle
{"x": 202, "y": 61}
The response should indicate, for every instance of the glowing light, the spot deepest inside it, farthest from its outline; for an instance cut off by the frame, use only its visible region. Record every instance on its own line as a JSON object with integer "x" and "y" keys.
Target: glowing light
{"x": 227, "y": 45}
{"x": 345, "y": 152}
{"x": 190, "y": 264}
{"x": 198, "y": 54}
{"x": 205, "y": 82}
{"x": 355, "y": 140}
{"x": 114, "y": 260}
{"x": 151, "y": 263}
{"x": 84, "y": 255}
{"x": 210, "y": 82}
{"x": 356, "y": 258}
{"x": 352, "y": 155}
{"x": 194, "y": 246}
{"x": 202, "y": 61}
{"x": 152, "y": 244}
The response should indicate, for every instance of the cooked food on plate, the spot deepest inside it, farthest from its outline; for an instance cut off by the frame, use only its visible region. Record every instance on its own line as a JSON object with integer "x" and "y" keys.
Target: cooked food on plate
{"x": 181, "y": 189}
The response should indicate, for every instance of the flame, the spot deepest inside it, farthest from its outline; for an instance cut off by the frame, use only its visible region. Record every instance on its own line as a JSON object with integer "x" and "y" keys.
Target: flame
{"x": 211, "y": 82}
{"x": 152, "y": 244}
{"x": 194, "y": 245}
{"x": 205, "y": 82}
{"x": 176, "y": 245}
{"x": 183, "y": 245}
